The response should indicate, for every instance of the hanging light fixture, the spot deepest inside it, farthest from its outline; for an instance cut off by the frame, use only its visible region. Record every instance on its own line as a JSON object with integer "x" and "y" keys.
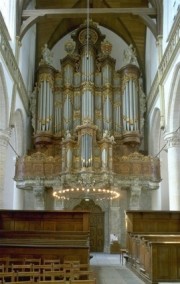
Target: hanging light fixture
{"x": 86, "y": 186}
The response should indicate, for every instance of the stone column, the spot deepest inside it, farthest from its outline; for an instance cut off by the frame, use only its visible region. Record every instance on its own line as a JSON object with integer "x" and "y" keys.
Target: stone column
{"x": 135, "y": 196}
{"x": 115, "y": 221}
{"x": 4, "y": 139}
{"x": 39, "y": 203}
{"x": 173, "y": 143}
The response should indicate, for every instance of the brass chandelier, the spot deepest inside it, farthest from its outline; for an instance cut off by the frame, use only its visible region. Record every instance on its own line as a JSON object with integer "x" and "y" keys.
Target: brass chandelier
{"x": 87, "y": 186}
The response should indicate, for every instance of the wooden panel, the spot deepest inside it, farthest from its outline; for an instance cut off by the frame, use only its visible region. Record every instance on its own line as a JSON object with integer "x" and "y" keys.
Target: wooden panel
{"x": 165, "y": 262}
{"x": 115, "y": 247}
{"x": 18, "y": 220}
{"x": 153, "y": 221}
{"x": 44, "y": 234}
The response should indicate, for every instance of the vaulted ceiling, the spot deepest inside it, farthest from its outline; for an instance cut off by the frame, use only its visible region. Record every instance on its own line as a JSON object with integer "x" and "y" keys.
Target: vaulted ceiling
{"x": 129, "y": 19}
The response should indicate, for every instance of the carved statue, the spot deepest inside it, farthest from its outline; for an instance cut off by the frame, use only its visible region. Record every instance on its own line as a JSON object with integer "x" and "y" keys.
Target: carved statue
{"x": 111, "y": 139}
{"x": 106, "y": 134}
{"x": 46, "y": 55}
{"x": 68, "y": 134}
{"x": 130, "y": 55}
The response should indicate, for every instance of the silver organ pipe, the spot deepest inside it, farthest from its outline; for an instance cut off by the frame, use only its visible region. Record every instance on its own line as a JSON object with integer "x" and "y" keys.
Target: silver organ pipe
{"x": 104, "y": 158}
{"x": 57, "y": 103}
{"x": 124, "y": 108}
{"x": 87, "y": 109}
{"x": 86, "y": 150}
{"x": 48, "y": 108}
{"x": 67, "y": 107}
{"x": 67, "y": 111}
{"x": 44, "y": 105}
{"x": 69, "y": 158}
{"x": 127, "y": 106}
{"x": 40, "y": 107}
{"x": 45, "y": 100}
{"x": 131, "y": 106}
{"x": 135, "y": 91}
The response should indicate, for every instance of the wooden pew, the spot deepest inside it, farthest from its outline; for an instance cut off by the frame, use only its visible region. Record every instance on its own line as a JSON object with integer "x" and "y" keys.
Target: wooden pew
{"x": 137, "y": 241}
{"x": 161, "y": 262}
{"x": 153, "y": 245}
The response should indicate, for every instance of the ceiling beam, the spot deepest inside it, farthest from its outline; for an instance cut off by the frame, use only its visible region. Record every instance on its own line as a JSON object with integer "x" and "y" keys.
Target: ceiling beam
{"x": 30, "y": 17}
{"x": 83, "y": 11}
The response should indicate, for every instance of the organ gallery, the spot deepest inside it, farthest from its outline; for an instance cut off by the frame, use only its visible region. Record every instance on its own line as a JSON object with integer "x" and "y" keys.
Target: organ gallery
{"x": 88, "y": 131}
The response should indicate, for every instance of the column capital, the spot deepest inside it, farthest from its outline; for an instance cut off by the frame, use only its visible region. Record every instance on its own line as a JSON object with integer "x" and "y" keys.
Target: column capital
{"x": 172, "y": 139}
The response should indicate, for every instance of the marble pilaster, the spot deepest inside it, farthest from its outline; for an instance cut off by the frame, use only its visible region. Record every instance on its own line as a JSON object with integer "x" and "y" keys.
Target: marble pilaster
{"x": 173, "y": 145}
{"x": 4, "y": 139}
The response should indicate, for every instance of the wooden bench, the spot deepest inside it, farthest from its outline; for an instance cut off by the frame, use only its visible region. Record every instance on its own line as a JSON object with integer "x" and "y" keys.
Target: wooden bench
{"x": 153, "y": 245}
{"x": 137, "y": 242}
{"x": 161, "y": 262}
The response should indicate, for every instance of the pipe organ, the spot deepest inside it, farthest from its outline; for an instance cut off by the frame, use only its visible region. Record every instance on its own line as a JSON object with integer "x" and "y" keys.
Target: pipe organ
{"x": 87, "y": 99}
{"x": 89, "y": 117}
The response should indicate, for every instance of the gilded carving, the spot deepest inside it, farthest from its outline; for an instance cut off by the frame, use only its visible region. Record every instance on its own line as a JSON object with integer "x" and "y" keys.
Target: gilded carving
{"x": 76, "y": 114}
{"x": 129, "y": 77}
{"x": 98, "y": 114}
{"x": 46, "y": 77}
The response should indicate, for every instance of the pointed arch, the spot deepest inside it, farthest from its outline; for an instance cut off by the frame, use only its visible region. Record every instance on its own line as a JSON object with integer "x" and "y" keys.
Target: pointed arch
{"x": 154, "y": 144}
{"x": 173, "y": 114}
{"x": 19, "y": 131}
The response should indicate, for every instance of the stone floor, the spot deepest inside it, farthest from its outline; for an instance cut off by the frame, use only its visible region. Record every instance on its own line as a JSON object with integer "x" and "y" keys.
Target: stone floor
{"x": 109, "y": 270}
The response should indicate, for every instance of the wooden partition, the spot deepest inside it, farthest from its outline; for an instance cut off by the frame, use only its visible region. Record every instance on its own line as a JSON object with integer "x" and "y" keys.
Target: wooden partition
{"x": 153, "y": 221}
{"x": 153, "y": 245}
{"x": 34, "y": 220}
{"x": 44, "y": 234}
